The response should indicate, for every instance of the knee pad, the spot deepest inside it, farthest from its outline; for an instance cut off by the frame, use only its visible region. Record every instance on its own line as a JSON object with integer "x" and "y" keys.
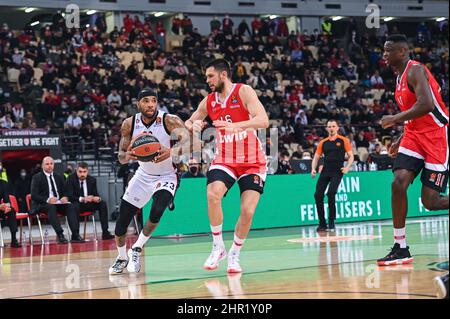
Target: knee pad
{"x": 126, "y": 214}
{"x": 161, "y": 200}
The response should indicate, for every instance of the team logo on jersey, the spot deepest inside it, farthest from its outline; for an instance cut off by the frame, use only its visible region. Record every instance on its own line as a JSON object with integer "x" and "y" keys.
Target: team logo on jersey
{"x": 234, "y": 99}
{"x": 137, "y": 121}
{"x": 338, "y": 144}
{"x": 213, "y": 103}
{"x": 158, "y": 185}
{"x": 158, "y": 121}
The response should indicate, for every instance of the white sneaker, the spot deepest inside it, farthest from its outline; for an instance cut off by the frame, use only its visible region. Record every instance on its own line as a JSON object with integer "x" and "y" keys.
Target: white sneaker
{"x": 118, "y": 266}
{"x": 233, "y": 264}
{"x": 218, "y": 254}
{"x": 134, "y": 265}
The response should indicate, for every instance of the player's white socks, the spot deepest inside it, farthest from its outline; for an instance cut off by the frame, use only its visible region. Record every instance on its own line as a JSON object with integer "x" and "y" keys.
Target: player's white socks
{"x": 140, "y": 242}
{"x": 237, "y": 245}
{"x": 217, "y": 235}
{"x": 122, "y": 252}
{"x": 400, "y": 236}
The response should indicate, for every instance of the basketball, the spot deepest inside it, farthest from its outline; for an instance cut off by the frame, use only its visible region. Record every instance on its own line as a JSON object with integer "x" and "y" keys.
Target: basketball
{"x": 146, "y": 147}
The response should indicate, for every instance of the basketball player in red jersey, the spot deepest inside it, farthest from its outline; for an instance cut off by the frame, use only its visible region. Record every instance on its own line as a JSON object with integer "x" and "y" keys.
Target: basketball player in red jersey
{"x": 236, "y": 113}
{"x": 423, "y": 145}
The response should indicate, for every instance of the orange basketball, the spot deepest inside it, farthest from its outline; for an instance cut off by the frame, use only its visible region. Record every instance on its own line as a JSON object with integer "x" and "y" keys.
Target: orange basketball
{"x": 145, "y": 146}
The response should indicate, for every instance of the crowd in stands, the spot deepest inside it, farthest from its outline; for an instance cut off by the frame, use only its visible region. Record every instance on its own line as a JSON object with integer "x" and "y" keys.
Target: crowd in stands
{"x": 84, "y": 81}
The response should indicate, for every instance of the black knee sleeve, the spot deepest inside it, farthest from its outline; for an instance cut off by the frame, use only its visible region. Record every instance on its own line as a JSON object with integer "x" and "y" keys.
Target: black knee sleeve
{"x": 126, "y": 214}
{"x": 161, "y": 200}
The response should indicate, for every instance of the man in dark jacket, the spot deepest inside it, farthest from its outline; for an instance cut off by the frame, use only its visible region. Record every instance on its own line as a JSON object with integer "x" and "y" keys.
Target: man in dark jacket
{"x": 82, "y": 193}
{"x": 49, "y": 195}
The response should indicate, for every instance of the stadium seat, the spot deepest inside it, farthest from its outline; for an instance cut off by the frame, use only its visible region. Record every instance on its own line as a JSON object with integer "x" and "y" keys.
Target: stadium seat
{"x": 86, "y": 215}
{"x": 13, "y": 75}
{"x": 38, "y": 73}
{"x": 270, "y": 93}
{"x": 159, "y": 75}
{"x": 247, "y": 67}
{"x": 363, "y": 154}
{"x": 137, "y": 56}
{"x": 21, "y": 217}
{"x": 218, "y": 55}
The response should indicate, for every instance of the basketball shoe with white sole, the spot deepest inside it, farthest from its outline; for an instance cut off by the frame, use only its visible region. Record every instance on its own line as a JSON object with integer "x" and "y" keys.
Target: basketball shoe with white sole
{"x": 118, "y": 266}
{"x": 233, "y": 264}
{"x": 218, "y": 254}
{"x": 134, "y": 265}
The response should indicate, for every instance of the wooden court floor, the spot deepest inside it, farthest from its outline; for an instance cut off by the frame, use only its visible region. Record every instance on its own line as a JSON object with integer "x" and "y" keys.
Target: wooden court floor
{"x": 283, "y": 263}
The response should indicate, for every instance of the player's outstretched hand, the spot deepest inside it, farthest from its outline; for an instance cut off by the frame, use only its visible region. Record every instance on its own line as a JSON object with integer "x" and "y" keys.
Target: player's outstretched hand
{"x": 163, "y": 154}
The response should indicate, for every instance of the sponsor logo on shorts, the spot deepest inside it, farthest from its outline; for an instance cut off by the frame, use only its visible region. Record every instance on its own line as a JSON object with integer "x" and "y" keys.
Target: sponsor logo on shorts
{"x": 432, "y": 177}
{"x": 257, "y": 180}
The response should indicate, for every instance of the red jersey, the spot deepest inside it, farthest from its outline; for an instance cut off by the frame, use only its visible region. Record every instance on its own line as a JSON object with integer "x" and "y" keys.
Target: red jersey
{"x": 406, "y": 99}
{"x": 234, "y": 148}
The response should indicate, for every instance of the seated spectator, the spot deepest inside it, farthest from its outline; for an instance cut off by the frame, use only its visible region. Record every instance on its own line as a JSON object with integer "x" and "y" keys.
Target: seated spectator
{"x": 194, "y": 170}
{"x": 83, "y": 194}
{"x": 114, "y": 98}
{"x": 306, "y": 156}
{"x": 74, "y": 122}
{"x": 284, "y": 167}
{"x": 298, "y": 153}
{"x": 22, "y": 187}
{"x": 48, "y": 195}
{"x": 7, "y": 211}
{"x": 377, "y": 81}
{"x": 6, "y": 121}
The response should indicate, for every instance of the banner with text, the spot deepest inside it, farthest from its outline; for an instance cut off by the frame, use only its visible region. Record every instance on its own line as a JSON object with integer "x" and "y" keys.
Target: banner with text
{"x": 288, "y": 200}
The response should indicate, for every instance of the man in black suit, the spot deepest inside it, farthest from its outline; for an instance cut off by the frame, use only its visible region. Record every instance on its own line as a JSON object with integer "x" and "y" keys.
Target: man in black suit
{"x": 49, "y": 195}
{"x": 9, "y": 212}
{"x": 82, "y": 192}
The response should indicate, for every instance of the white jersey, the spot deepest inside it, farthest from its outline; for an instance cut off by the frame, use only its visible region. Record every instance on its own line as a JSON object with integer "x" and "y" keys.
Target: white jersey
{"x": 158, "y": 130}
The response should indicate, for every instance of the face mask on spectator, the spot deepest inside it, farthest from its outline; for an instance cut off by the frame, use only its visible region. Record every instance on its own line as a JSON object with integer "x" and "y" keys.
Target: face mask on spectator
{"x": 193, "y": 169}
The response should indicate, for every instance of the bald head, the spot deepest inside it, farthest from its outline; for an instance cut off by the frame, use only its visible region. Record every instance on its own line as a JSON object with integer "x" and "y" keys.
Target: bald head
{"x": 48, "y": 164}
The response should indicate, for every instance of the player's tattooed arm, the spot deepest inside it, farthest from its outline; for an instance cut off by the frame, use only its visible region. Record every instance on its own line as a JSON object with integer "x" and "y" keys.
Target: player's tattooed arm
{"x": 125, "y": 154}
{"x": 175, "y": 126}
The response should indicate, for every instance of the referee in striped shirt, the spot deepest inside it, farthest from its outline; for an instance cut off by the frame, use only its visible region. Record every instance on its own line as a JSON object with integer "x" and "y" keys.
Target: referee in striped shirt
{"x": 333, "y": 148}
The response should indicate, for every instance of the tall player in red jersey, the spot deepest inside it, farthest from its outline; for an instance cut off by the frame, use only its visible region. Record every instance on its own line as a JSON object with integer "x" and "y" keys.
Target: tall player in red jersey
{"x": 423, "y": 145}
{"x": 236, "y": 113}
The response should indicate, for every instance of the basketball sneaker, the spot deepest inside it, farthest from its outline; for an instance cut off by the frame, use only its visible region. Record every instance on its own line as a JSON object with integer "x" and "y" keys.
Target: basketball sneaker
{"x": 118, "y": 266}
{"x": 397, "y": 256}
{"x": 321, "y": 228}
{"x": 441, "y": 284}
{"x": 134, "y": 265}
{"x": 218, "y": 254}
{"x": 233, "y": 264}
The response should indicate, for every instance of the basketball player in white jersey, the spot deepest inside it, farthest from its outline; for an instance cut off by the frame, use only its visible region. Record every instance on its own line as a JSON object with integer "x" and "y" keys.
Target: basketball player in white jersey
{"x": 156, "y": 179}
